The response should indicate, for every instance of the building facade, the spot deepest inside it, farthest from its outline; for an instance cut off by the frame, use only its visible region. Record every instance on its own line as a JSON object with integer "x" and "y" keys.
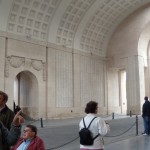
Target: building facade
{"x": 56, "y": 55}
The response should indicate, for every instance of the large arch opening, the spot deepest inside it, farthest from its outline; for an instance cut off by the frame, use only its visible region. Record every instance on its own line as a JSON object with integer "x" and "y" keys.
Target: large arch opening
{"x": 26, "y": 93}
{"x": 144, "y": 51}
{"x": 147, "y": 73}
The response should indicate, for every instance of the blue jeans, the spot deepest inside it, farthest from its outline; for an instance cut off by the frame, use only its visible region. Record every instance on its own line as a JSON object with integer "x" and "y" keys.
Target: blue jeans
{"x": 146, "y": 121}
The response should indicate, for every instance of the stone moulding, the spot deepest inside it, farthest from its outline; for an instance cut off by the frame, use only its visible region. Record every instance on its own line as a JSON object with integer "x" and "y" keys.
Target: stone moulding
{"x": 13, "y": 61}
{"x": 16, "y": 62}
{"x": 37, "y": 64}
{"x": 44, "y": 71}
{"x": 7, "y": 67}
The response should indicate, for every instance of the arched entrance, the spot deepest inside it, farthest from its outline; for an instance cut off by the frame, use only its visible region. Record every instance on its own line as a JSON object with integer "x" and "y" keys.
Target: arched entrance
{"x": 147, "y": 73}
{"x": 26, "y": 93}
{"x": 144, "y": 51}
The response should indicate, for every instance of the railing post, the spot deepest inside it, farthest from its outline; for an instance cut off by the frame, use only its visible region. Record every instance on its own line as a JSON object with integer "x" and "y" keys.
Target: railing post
{"x": 113, "y": 115}
{"x": 130, "y": 113}
{"x": 41, "y": 120}
{"x": 136, "y": 125}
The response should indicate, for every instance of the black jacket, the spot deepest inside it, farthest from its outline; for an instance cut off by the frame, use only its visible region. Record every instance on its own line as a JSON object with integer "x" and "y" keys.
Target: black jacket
{"x": 8, "y": 138}
{"x": 6, "y": 117}
{"x": 146, "y": 109}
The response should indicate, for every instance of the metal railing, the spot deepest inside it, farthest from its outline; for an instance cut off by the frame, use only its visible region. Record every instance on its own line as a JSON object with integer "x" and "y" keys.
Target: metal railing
{"x": 120, "y": 134}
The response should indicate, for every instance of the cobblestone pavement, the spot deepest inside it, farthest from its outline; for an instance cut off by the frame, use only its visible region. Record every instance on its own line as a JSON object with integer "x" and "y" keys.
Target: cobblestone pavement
{"x": 62, "y": 134}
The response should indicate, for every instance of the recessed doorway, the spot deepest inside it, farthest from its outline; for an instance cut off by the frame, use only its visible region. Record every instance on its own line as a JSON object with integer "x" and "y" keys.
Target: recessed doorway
{"x": 123, "y": 96}
{"x": 26, "y": 93}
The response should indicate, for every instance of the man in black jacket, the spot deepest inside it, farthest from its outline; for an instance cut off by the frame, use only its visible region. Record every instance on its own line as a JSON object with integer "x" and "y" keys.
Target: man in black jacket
{"x": 146, "y": 116}
{"x": 10, "y": 137}
{"x": 6, "y": 114}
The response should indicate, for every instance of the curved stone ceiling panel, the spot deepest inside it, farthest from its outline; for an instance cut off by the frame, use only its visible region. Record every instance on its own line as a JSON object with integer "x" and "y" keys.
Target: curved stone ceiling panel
{"x": 32, "y": 17}
{"x": 85, "y": 25}
{"x": 70, "y": 21}
{"x": 98, "y": 29}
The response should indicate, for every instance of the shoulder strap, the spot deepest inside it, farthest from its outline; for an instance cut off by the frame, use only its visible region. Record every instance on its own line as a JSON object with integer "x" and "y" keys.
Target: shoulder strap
{"x": 96, "y": 136}
{"x": 89, "y": 124}
{"x": 84, "y": 123}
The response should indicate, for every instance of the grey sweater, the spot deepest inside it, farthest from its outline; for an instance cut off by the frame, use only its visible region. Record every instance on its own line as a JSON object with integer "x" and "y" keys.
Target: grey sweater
{"x": 8, "y": 137}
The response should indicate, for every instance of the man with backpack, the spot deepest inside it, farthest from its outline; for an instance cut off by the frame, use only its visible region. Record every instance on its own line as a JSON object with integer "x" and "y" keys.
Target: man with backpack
{"x": 91, "y": 129}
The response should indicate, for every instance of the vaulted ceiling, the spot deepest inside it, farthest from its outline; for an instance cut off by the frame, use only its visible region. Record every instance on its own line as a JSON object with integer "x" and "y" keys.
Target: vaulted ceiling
{"x": 85, "y": 25}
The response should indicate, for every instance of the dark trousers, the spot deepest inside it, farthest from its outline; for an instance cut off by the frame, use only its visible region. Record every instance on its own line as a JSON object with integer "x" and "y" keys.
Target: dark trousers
{"x": 146, "y": 121}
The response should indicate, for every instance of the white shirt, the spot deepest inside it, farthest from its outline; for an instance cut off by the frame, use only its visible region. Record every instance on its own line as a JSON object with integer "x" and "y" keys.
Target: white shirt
{"x": 98, "y": 126}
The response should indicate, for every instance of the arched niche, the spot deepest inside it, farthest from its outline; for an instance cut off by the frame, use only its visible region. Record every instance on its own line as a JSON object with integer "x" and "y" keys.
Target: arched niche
{"x": 26, "y": 93}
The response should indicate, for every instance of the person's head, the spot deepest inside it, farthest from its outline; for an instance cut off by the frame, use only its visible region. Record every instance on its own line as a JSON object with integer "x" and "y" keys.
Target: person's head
{"x": 146, "y": 98}
{"x": 91, "y": 107}
{"x": 3, "y": 99}
{"x": 29, "y": 132}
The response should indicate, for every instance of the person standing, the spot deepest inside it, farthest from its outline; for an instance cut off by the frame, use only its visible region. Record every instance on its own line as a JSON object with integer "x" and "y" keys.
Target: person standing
{"x": 29, "y": 140}
{"x": 146, "y": 116}
{"x": 98, "y": 127}
{"x": 6, "y": 114}
{"x": 10, "y": 137}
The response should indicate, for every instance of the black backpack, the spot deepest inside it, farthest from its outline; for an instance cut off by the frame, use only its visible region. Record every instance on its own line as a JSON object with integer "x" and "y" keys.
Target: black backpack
{"x": 86, "y": 135}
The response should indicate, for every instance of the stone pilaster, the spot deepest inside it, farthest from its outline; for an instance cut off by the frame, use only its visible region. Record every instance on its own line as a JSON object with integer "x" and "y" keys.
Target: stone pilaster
{"x": 2, "y": 64}
{"x": 135, "y": 84}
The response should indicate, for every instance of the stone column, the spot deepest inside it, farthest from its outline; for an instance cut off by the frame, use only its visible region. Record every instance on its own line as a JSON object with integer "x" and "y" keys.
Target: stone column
{"x": 76, "y": 74}
{"x": 2, "y": 64}
{"x": 106, "y": 88}
{"x": 51, "y": 82}
{"x": 135, "y": 84}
